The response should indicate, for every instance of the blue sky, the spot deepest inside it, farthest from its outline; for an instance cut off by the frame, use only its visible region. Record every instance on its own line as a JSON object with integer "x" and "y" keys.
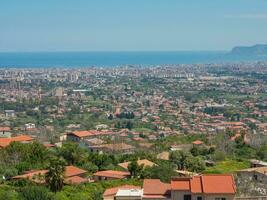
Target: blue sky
{"x": 131, "y": 25}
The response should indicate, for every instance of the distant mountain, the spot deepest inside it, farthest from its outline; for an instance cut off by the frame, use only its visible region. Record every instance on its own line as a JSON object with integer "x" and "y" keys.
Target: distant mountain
{"x": 258, "y": 49}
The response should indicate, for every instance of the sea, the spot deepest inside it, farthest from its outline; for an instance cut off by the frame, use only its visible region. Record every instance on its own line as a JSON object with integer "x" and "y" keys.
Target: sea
{"x": 114, "y": 59}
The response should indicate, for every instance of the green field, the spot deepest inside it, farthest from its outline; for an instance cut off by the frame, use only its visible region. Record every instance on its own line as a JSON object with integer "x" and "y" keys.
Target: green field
{"x": 227, "y": 166}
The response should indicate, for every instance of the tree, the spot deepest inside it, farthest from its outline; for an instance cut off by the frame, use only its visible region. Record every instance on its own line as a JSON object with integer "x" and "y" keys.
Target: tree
{"x": 194, "y": 164}
{"x": 164, "y": 172}
{"x": 178, "y": 158}
{"x": 61, "y": 196}
{"x": 35, "y": 193}
{"x": 262, "y": 153}
{"x": 195, "y": 151}
{"x": 135, "y": 169}
{"x": 37, "y": 152}
{"x": 129, "y": 125}
{"x": 55, "y": 174}
{"x": 7, "y": 193}
{"x": 72, "y": 153}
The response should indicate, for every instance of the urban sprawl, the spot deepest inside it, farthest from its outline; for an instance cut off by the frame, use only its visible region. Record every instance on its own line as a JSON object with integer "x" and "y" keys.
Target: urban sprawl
{"x": 135, "y": 132}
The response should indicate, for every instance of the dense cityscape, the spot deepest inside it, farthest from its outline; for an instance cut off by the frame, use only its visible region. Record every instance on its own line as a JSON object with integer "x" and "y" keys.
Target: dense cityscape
{"x": 133, "y": 100}
{"x": 134, "y": 132}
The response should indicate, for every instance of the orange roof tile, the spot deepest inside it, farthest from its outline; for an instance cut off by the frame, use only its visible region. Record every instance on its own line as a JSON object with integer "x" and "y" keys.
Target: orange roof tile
{"x": 154, "y": 187}
{"x": 49, "y": 145}
{"x": 195, "y": 184}
{"x": 112, "y": 174}
{"x": 197, "y": 142}
{"x": 218, "y": 184}
{"x": 180, "y": 184}
{"x": 73, "y": 171}
{"x": 208, "y": 184}
{"x": 33, "y": 175}
{"x": 82, "y": 133}
{"x": 91, "y": 133}
{"x": 21, "y": 138}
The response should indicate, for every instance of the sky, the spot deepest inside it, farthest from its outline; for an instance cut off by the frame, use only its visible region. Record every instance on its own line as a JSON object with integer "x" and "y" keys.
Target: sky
{"x": 131, "y": 25}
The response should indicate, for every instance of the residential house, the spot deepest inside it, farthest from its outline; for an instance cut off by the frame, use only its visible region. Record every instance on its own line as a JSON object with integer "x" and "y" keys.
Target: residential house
{"x": 4, "y": 142}
{"x": 5, "y": 131}
{"x": 9, "y": 113}
{"x": 29, "y": 126}
{"x": 257, "y": 163}
{"x": 156, "y": 190}
{"x": 73, "y": 176}
{"x": 110, "y": 193}
{"x": 129, "y": 194}
{"x": 204, "y": 187}
{"x": 110, "y": 175}
{"x": 77, "y": 136}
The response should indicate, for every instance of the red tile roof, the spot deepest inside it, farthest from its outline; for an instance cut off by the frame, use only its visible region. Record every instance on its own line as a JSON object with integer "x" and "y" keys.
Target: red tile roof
{"x": 73, "y": 171}
{"x": 112, "y": 174}
{"x": 91, "y": 133}
{"x": 180, "y": 184}
{"x": 49, "y": 145}
{"x": 33, "y": 175}
{"x": 154, "y": 188}
{"x": 82, "y": 133}
{"x": 197, "y": 142}
{"x": 21, "y": 138}
{"x": 195, "y": 184}
{"x": 218, "y": 184}
{"x": 207, "y": 184}
{"x": 5, "y": 128}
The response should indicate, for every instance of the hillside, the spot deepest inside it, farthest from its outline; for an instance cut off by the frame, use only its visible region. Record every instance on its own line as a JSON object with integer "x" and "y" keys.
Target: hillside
{"x": 259, "y": 49}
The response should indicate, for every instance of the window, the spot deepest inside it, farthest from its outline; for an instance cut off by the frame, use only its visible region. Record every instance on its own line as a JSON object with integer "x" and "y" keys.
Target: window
{"x": 255, "y": 177}
{"x": 221, "y": 198}
{"x": 187, "y": 197}
{"x": 199, "y": 198}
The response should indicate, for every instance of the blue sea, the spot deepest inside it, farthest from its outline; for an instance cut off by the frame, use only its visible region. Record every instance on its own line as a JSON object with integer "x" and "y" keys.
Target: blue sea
{"x": 111, "y": 59}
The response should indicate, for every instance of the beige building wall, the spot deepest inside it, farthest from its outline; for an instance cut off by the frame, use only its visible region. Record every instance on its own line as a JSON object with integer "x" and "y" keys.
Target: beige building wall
{"x": 155, "y": 199}
{"x": 128, "y": 198}
{"x": 179, "y": 195}
{"x": 212, "y": 197}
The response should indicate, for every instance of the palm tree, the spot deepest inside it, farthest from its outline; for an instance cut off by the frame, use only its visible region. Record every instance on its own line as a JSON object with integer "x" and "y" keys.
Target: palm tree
{"x": 55, "y": 175}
